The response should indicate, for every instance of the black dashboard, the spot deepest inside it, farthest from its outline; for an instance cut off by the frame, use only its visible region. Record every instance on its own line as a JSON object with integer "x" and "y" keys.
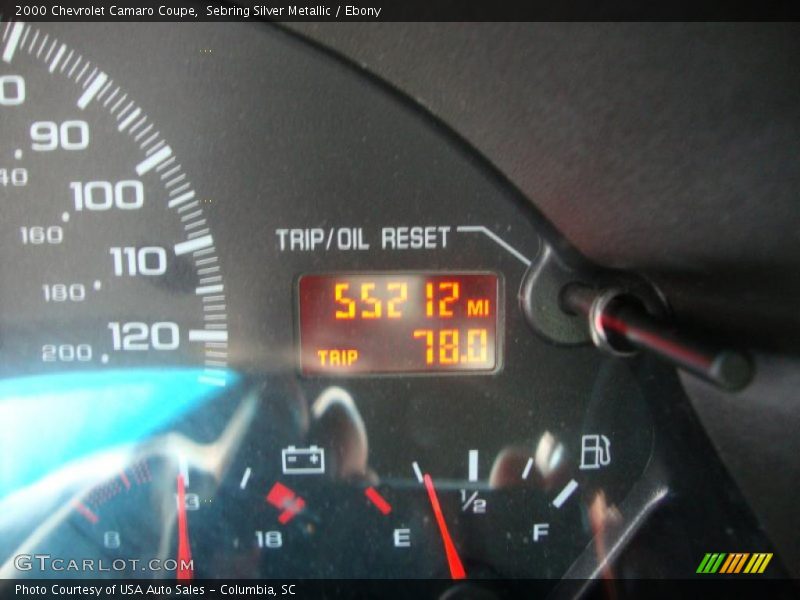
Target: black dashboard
{"x": 393, "y": 301}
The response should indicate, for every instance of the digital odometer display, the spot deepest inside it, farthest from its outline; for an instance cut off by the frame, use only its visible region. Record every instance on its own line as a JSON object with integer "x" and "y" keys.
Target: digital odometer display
{"x": 398, "y": 323}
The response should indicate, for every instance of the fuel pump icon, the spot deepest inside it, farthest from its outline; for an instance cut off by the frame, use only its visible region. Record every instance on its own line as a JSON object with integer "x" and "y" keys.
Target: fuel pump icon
{"x": 595, "y": 451}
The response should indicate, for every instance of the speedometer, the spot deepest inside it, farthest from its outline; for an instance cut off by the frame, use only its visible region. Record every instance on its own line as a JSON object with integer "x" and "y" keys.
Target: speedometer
{"x": 114, "y": 261}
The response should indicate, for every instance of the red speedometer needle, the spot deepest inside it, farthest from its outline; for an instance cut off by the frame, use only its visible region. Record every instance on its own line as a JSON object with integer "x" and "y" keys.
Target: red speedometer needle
{"x": 453, "y": 560}
{"x": 184, "y": 550}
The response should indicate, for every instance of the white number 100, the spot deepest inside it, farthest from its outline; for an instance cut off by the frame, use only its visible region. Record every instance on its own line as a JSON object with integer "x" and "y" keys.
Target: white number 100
{"x": 101, "y": 195}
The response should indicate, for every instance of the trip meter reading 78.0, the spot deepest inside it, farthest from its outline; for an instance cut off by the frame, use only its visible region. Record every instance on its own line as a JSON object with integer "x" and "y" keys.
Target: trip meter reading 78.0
{"x": 398, "y": 323}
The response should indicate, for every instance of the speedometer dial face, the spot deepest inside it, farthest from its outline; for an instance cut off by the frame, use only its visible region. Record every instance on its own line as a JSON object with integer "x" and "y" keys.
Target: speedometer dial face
{"x": 358, "y": 395}
{"x": 109, "y": 259}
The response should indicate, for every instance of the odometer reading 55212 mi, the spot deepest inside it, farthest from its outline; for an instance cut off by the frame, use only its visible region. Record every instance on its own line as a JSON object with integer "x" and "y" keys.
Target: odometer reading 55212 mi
{"x": 398, "y": 322}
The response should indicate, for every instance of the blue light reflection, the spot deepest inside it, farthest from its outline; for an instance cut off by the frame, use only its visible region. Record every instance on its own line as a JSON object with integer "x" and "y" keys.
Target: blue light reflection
{"x": 46, "y": 421}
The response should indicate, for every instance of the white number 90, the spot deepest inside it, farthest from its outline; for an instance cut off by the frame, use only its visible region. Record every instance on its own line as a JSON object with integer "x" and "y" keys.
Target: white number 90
{"x": 70, "y": 135}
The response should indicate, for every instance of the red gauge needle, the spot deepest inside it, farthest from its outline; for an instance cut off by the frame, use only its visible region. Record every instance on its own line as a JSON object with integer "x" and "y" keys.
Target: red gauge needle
{"x": 453, "y": 560}
{"x": 184, "y": 549}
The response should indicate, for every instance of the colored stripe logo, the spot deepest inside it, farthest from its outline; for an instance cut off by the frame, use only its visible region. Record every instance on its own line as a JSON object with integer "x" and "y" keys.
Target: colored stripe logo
{"x": 734, "y": 562}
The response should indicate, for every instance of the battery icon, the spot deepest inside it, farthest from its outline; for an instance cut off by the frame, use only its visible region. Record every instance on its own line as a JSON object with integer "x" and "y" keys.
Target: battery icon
{"x": 303, "y": 461}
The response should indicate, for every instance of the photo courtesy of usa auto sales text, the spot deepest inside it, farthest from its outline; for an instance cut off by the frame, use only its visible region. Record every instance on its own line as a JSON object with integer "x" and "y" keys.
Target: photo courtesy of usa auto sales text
{"x": 135, "y": 589}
